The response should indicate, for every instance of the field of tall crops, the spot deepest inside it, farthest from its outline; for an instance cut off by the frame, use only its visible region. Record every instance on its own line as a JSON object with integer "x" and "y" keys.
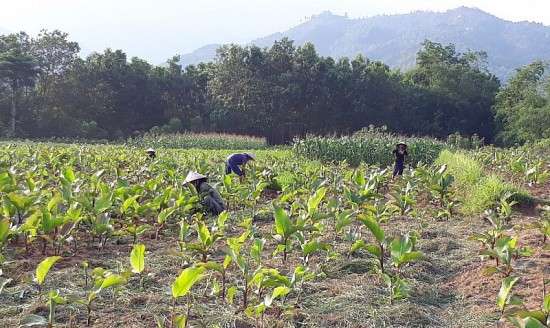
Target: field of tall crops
{"x": 199, "y": 141}
{"x": 104, "y": 236}
{"x": 373, "y": 150}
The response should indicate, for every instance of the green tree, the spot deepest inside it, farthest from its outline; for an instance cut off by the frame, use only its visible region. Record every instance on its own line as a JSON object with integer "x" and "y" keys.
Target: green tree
{"x": 18, "y": 70}
{"x": 522, "y": 108}
{"x": 460, "y": 89}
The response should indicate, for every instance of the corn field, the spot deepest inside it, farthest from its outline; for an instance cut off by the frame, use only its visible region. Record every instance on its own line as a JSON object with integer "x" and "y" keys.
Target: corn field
{"x": 199, "y": 140}
{"x": 376, "y": 150}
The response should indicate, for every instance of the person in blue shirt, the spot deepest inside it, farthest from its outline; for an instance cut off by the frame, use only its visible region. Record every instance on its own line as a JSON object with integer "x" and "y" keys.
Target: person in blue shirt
{"x": 399, "y": 152}
{"x": 233, "y": 161}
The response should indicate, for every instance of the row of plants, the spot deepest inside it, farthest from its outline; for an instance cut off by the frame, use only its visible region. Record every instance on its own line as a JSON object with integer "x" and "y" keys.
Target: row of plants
{"x": 198, "y": 140}
{"x": 511, "y": 262}
{"x": 528, "y": 165}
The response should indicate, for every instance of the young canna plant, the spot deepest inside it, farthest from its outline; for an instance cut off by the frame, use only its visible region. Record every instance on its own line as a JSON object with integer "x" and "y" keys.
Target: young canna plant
{"x": 42, "y": 270}
{"x": 181, "y": 288}
{"x": 103, "y": 280}
{"x": 137, "y": 261}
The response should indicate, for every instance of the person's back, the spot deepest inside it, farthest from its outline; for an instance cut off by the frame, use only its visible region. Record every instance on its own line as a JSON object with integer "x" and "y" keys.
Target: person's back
{"x": 233, "y": 161}
{"x": 212, "y": 200}
{"x": 206, "y": 188}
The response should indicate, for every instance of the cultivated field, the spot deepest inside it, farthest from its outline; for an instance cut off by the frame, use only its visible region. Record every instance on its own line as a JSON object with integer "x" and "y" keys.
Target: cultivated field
{"x": 106, "y": 237}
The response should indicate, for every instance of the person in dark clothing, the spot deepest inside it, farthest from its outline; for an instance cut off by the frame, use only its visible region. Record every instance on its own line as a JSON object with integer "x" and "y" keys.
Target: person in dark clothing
{"x": 399, "y": 152}
{"x": 151, "y": 153}
{"x": 211, "y": 198}
{"x": 233, "y": 161}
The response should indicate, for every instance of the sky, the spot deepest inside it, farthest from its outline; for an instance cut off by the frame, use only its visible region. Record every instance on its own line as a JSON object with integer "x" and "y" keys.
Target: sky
{"x": 156, "y": 30}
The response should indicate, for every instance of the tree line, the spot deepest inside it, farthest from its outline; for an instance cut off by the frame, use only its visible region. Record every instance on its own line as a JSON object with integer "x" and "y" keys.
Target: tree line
{"x": 278, "y": 92}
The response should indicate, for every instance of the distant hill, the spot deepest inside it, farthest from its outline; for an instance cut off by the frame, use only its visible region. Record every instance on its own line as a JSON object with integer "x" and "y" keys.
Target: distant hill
{"x": 3, "y": 31}
{"x": 395, "y": 39}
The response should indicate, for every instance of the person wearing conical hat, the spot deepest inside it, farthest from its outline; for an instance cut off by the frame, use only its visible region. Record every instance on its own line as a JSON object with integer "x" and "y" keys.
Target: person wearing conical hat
{"x": 233, "y": 161}
{"x": 212, "y": 200}
{"x": 399, "y": 152}
{"x": 151, "y": 152}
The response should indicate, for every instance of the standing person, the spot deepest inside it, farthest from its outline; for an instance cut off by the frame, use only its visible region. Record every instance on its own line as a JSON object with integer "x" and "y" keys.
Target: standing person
{"x": 399, "y": 152}
{"x": 211, "y": 198}
{"x": 233, "y": 161}
{"x": 151, "y": 153}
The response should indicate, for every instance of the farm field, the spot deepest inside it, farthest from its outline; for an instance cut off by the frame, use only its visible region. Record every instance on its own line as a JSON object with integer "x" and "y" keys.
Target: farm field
{"x": 106, "y": 237}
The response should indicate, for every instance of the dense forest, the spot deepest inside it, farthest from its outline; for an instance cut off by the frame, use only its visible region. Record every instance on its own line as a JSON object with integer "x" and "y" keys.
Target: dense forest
{"x": 278, "y": 92}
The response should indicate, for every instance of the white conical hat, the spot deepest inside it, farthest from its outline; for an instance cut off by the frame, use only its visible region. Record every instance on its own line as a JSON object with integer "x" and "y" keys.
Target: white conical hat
{"x": 150, "y": 150}
{"x": 192, "y": 176}
{"x": 251, "y": 155}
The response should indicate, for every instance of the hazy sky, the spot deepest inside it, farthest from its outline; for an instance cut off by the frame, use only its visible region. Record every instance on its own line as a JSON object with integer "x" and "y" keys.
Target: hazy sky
{"x": 155, "y": 30}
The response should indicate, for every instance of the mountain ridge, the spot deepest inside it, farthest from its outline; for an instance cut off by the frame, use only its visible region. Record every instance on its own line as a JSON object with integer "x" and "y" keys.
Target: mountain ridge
{"x": 395, "y": 39}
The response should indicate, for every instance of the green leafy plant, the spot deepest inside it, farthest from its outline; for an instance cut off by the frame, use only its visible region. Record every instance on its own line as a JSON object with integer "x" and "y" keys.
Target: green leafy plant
{"x": 137, "y": 261}
{"x": 42, "y": 270}
{"x": 181, "y": 288}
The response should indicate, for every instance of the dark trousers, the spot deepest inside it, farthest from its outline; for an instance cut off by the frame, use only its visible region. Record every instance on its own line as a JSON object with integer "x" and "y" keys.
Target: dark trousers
{"x": 398, "y": 168}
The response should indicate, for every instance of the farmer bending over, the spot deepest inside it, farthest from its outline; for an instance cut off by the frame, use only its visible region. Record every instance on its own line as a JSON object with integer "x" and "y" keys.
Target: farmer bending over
{"x": 399, "y": 152}
{"x": 233, "y": 162}
{"x": 212, "y": 200}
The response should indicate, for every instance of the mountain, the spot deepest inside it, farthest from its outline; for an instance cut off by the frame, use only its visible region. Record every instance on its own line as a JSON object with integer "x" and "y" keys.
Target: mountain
{"x": 3, "y": 31}
{"x": 395, "y": 39}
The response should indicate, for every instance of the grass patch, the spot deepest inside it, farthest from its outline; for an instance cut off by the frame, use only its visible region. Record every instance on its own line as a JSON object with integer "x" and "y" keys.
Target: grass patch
{"x": 474, "y": 186}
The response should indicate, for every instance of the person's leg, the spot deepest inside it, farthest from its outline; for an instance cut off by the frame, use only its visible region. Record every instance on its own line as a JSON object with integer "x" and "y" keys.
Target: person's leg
{"x": 401, "y": 168}
{"x": 395, "y": 169}
{"x": 227, "y": 168}
{"x": 212, "y": 206}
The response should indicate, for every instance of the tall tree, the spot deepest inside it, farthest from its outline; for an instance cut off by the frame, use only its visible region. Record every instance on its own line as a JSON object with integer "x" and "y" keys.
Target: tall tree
{"x": 463, "y": 88}
{"x": 18, "y": 69}
{"x": 522, "y": 108}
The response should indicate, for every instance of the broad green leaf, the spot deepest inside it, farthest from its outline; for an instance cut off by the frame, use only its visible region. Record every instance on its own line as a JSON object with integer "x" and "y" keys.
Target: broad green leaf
{"x": 128, "y": 202}
{"x": 374, "y": 227}
{"x": 528, "y": 322}
{"x": 137, "y": 258}
{"x": 54, "y": 201}
{"x": 69, "y": 174}
{"x": 4, "y": 229}
{"x": 212, "y": 266}
{"x": 314, "y": 200}
{"x": 374, "y": 250}
{"x": 203, "y": 233}
{"x": 539, "y": 315}
{"x": 186, "y": 280}
{"x": 312, "y": 246}
{"x": 49, "y": 221}
{"x": 230, "y": 293}
{"x": 546, "y": 304}
{"x": 283, "y": 226}
{"x": 103, "y": 203}
{"x": 44, "y": 267}
{"x": 113, "y": 280}
{"x": 507, "y": 284}
{"x": 16, "y": 200}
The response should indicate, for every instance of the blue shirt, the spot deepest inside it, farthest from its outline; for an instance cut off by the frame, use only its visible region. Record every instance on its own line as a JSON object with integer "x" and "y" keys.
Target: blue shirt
{"x": 237, "y": 159}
